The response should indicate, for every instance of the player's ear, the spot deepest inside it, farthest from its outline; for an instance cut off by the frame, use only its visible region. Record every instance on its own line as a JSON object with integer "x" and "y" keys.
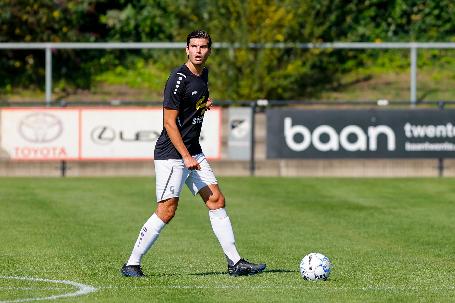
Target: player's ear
{"x": 187, "y": 51}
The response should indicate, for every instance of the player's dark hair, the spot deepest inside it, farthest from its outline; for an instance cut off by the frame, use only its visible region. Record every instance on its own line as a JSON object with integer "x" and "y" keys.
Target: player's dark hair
{"x": 198, "y": 34}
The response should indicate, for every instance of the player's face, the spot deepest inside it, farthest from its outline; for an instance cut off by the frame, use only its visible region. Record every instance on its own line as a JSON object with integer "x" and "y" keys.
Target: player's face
{"x": 198, "y": 50}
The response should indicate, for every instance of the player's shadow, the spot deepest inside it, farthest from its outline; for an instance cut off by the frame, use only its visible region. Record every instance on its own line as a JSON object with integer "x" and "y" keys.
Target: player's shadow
{"x": 159, "y": 275}
{"x": 267, "y": 271}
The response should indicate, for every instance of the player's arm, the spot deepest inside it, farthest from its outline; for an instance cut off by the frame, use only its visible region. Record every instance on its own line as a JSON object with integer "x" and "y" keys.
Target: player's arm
{"x": 170, "y": 124}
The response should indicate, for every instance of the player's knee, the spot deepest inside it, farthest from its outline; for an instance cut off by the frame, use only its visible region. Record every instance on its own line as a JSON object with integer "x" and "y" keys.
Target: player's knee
{"x": 166, "y": 214}
{"x": 216, "y": 201}
{"x": 170, "y": 213}
{"x": 166, "y": 211}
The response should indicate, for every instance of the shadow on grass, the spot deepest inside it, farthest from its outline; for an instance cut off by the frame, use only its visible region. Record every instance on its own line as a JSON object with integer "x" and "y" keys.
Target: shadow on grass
{"x": 267, "y": 271}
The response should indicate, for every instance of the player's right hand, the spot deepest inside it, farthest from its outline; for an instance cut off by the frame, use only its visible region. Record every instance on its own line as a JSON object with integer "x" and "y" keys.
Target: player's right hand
{"x": 209, "y": 103}
{"x": 191, "y": 163}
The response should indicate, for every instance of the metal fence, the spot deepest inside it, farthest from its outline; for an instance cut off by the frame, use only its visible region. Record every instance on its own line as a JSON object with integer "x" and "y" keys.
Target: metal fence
{"x": 412, "y": 46}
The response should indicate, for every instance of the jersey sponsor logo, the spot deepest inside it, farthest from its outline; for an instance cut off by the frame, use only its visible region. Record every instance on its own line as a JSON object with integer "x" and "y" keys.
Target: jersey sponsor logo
{"x": 201, "y": 104}
{"x": 194, "y": 93}
{"x": 198, "y": 120}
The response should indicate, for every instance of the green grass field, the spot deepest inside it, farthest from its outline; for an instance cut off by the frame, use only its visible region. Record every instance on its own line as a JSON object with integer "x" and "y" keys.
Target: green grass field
{"x": 390, "y": 240}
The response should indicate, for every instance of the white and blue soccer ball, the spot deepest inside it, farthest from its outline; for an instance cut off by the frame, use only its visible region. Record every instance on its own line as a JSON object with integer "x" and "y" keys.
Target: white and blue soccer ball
{"x": 315, "y": 266}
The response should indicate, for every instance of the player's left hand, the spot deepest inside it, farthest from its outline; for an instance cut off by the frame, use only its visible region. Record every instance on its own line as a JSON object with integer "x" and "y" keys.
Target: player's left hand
{"x": 209, "y": 103}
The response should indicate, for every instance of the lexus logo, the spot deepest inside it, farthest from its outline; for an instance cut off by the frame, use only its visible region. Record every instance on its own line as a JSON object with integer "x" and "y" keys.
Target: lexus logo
{"x": 104, "y": 135}
{"x": 40, "y": 128}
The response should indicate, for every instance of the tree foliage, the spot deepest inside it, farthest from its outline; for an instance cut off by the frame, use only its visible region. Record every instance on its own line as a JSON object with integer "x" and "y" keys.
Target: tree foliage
{"x": 48, "y": 21}
{"x": 239, "y": 72}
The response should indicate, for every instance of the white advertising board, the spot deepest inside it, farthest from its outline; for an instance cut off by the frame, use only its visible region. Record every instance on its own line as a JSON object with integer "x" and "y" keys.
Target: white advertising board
{"x": 120, "y": 134}
{"x": 239, "y": 140}
{"x": 40, "y": 134}
{"x": 211, "y": 134}
{"x": 93, "y": 133}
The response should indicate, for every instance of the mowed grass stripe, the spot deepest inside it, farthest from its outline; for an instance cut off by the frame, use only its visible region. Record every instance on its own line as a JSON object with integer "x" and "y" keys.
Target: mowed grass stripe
{"x": 389, "y": 239}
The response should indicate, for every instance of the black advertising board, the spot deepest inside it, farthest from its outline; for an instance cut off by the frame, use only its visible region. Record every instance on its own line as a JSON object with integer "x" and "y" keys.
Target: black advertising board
{"x": 414, "y": 133}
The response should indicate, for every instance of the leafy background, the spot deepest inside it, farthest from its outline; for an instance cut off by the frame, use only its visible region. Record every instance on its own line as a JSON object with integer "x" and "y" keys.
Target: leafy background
{"x": 237, "y": 74}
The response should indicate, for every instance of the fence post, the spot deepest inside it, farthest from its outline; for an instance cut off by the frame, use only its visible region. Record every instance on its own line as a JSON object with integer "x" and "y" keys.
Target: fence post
{"x": 413, "y": 75}
{"x": 48, "y": 75}
{"x": 253, "y": 140}
{"x": 441, "y": 167}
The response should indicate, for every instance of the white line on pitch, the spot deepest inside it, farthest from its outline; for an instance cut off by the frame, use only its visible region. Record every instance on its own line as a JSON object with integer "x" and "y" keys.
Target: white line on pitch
{"x": 82, "y": 289}
{"x": 32, "y": 288}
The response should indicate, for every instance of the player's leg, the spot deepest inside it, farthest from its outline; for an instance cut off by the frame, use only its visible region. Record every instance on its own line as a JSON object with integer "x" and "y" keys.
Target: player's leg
{"x": 222, "y": 227}
{"x": 219, "y": 219}
{"x": 170, "y": 176}
{"x": 148, "y": 234}
{"x": 203, "y": 181}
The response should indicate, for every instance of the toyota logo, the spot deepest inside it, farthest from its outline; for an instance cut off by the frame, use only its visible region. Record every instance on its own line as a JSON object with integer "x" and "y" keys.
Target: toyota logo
{"x": 40, "y": 128}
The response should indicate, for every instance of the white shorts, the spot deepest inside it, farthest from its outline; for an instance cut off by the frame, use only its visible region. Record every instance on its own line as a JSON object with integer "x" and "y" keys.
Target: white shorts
{"x": 172, "y": 174}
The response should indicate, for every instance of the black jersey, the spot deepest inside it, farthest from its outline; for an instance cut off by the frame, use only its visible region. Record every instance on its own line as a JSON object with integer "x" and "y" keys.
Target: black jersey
{"x": 188, "y": 94}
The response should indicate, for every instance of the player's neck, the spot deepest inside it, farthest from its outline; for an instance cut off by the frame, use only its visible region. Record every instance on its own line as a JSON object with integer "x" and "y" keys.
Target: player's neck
{"x": 195, "y": 69}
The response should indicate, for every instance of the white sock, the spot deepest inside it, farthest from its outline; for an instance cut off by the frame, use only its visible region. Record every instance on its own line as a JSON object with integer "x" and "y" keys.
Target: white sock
{"x": 221, "y": 225}
{"x": 147, "y": 236}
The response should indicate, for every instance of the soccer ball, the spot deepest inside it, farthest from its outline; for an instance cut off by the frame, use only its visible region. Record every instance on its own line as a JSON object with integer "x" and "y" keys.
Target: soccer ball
{"x": 315, "y": 266}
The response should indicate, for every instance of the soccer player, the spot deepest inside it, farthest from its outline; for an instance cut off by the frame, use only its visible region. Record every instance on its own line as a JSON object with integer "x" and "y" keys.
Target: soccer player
{"x": 179, "y": 160}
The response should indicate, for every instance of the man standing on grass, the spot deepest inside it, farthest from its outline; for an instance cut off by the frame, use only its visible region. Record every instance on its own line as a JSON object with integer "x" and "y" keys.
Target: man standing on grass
{"x": 179, "y": 159}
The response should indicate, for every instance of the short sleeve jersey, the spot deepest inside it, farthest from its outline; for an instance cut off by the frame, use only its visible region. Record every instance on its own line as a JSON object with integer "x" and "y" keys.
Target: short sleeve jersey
{"x": 187, "y": 93}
